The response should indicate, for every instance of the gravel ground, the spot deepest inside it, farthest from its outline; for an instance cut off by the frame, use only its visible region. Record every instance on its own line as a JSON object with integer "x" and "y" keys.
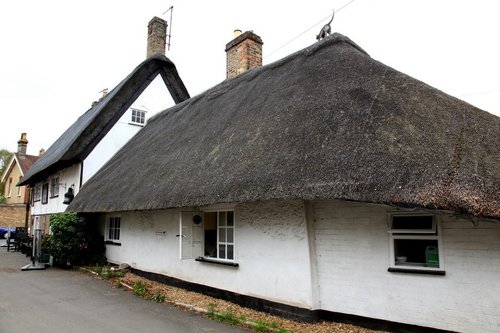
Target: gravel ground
{"x": 254, "y": 320}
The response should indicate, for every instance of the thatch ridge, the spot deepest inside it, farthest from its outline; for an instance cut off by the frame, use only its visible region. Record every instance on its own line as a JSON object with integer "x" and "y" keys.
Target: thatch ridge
{"x": 76, "y": 143}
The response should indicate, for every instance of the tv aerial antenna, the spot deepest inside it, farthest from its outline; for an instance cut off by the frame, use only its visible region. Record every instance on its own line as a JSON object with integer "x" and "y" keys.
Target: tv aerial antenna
{"x": 169, "y": 34}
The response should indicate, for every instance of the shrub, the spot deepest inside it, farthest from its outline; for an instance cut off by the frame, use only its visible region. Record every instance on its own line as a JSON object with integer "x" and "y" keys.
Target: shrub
{"x": 74, "y": 242}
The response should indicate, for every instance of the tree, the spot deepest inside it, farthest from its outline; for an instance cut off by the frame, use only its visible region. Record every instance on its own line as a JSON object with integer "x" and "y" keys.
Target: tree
{"x": 5, "y": 157}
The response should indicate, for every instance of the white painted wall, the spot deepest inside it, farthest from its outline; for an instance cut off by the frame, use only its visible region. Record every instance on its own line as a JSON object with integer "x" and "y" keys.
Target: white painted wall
{"x": 353, "y": 256}
{"x": 350, "y": 243}
{"x": 270, "y": 247}
{"x": 67, "y": 177}
{"x": 116, "y": 138}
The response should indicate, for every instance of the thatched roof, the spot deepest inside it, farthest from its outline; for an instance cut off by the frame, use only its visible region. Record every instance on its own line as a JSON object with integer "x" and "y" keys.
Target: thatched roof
{"x": 327, "y": 122}
{"x": 78, "y": 141}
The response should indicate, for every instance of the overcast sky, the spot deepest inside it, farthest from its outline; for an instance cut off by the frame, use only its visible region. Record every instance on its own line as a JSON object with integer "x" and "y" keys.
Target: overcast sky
{"x": 57, "y": 55}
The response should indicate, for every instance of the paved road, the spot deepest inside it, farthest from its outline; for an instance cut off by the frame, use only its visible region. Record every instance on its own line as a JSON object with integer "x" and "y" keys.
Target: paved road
{"x": 56, "y": 300}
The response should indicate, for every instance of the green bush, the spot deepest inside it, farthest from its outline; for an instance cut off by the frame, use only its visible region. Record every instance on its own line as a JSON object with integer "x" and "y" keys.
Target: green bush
{"x": 73, "y": 241}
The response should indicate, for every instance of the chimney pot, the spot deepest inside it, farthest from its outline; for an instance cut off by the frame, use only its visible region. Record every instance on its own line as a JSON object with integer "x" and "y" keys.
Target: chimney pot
{"x": 243, "y": 53}
{"x": 22, "y": 144}
{"x": 157, "y": 35}
{"x": 41, "y": 152}
{"x": 236, "y": 33}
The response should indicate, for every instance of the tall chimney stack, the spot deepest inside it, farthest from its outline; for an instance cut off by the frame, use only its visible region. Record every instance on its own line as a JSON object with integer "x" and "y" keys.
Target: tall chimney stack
{"x": 243, "y": 53}
{"x": 22, "y": 144}
{"x": 157, "y": 35}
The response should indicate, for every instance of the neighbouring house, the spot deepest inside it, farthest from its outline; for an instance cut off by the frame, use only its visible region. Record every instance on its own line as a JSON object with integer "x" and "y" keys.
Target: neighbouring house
{"x": 15, "y": 212}
{"x": 101, "y": 131}
{"x": 323, "y": 185}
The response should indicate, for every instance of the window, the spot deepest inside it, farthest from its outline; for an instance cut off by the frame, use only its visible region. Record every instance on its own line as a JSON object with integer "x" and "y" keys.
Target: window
{"x": 45, "y": 193}
{"x": 54, "y": 187}
{"x": 9, "y": 188}
{"x": 113, "y": 233}
{"x": 37, "y": 192}
{"x": 138, "y": 116}
{"x": 414, "y": 243}
{"x": 219, "y": 235}
{"x": 19, "y": 188}
{"x": 208, "y": 236}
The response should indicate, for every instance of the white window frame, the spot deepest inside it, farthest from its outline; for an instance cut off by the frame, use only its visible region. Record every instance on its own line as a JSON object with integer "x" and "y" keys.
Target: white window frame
{"x": 138, "y": 117}
{"x": 54, "y": 187}
{"x": 45, "y": 193}
{"x": 425, "y": 234}
{"x": 113, "y": 239}
{"x": 225, "y": 243}
{"x": 37, "y": 192}
{"x": 201, "y": 256}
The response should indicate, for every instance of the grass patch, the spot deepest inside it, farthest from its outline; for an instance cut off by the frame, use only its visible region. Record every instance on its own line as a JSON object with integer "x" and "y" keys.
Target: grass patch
{"x": 139, "y": 289}
{"x": 158, "y": 298}
{"x": 227, "y": 317}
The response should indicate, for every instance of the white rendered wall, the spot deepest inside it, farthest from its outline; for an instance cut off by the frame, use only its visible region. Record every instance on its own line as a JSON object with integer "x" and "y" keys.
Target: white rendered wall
{"x": 116, "y": 138}
{"x": 67, "y": 177}
{"x": 270, "y": 247}
{"x": 153, "y": 99}
{"x": 353, "y": 256}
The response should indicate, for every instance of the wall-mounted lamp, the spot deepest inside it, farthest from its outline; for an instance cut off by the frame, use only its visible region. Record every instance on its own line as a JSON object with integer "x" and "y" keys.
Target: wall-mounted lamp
{"x": 69, "y": 196}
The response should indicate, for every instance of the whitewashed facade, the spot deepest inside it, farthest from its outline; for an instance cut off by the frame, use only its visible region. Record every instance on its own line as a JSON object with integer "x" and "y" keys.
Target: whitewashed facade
{"x": 327, "y": 255}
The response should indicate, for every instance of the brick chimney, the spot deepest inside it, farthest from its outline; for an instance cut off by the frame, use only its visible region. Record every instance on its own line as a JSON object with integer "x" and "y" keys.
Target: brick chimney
{"x": 157, "y": 35}
{"x": 242, "y": 53}
{"x": 22, "y": 144}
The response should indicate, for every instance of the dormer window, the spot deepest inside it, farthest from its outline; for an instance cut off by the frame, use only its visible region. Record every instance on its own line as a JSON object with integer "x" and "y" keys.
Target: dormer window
{"x": 138, "y": 117}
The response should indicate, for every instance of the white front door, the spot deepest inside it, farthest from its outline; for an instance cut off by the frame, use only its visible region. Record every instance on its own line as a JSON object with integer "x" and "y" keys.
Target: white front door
{"x": 191, "y": 235}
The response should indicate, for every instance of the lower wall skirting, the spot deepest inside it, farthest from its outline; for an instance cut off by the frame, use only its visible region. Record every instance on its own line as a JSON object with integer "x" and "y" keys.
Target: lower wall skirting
{"x": 285, "y": 310}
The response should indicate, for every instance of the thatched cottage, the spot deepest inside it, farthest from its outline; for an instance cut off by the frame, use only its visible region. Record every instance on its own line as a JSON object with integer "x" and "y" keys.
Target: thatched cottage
{"x": 326, "y": 184}
{"x": 100, "y": 132}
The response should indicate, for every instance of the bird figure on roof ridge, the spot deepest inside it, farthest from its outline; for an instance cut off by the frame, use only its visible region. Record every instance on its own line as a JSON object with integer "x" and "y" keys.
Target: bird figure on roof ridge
{"x": 326, "y": 30}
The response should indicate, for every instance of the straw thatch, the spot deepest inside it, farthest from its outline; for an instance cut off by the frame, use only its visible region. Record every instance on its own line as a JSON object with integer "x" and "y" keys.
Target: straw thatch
{"x": 78, "y": 141}
{"x": 327, "y": 122}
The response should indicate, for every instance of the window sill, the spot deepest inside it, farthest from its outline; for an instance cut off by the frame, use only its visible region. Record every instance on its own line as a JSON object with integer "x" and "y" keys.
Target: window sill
{"x": 108, "y": 242}
{"x": 217, "y": 261}
{"x": 136, "y": 124}
{"x": 54, "y": 196}
{"x": 416, "y": 271}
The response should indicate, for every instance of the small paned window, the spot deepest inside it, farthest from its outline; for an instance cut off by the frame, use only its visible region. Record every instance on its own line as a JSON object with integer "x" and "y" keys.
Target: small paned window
{"x": 113, "y": 233}
{"x": 54, "y": 187}
{"x": 45, "y": 193}
{"x": 37, "y": 192}
{"x": 138, "y": 116}
{"x": 219, "y": 235}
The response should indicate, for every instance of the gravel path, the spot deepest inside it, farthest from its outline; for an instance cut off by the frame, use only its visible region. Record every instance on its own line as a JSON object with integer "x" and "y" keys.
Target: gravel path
{"x": 230, "y": 312}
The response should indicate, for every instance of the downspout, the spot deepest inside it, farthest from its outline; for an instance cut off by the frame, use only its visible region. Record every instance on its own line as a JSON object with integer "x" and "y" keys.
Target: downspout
{"x": 27, "y": 200}
{"x": 81, "y": 176}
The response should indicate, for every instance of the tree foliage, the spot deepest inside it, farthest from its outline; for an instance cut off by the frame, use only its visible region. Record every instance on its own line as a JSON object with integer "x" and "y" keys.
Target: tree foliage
{"x": 5, "y": 157}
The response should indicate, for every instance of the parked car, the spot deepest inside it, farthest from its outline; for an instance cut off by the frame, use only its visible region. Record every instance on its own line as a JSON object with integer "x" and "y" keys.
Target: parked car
{"x": 4, "y": 231}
